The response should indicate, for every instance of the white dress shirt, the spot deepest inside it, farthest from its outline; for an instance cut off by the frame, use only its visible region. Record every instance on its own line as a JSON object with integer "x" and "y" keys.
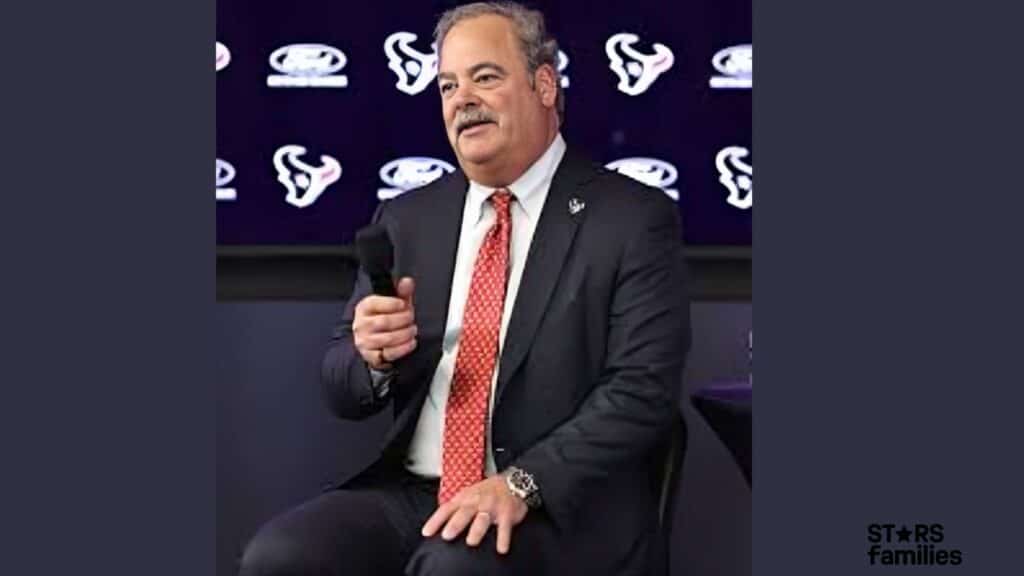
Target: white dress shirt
{"x": 529, "y": 191}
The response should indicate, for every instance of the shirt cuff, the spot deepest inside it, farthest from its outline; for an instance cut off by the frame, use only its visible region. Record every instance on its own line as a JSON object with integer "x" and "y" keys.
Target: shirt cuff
{"x": 380, "y": 381}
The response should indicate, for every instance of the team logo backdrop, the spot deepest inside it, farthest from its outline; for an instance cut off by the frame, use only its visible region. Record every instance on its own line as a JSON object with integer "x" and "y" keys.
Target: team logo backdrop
{"x": 325, "y": 108}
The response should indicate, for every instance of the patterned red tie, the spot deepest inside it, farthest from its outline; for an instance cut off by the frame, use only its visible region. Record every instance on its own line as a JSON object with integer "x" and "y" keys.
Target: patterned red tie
{"x": 465, "y": 427}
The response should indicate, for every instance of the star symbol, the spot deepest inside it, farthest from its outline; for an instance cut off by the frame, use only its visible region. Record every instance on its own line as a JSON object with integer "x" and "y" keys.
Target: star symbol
{"x": 904, "y": 534}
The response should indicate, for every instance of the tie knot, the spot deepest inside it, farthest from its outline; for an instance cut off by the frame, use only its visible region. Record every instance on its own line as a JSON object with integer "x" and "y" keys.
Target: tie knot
{"x": 501, "y": 199}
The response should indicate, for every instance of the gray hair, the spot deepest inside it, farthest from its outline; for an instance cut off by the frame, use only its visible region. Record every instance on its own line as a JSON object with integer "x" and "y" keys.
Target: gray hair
{"x": 538, "y": 47}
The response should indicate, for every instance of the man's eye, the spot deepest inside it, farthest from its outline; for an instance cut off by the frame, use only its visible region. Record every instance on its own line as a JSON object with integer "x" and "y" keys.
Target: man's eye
{"x": 446, "y": 87}
{"x": 486, "y": 77}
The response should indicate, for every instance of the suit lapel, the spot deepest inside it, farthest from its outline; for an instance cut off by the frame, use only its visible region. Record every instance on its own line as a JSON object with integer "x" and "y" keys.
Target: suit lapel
{"x": 551, "y": 242}
{"x": 438, "y": 242}
{"x": 436, "y": 237}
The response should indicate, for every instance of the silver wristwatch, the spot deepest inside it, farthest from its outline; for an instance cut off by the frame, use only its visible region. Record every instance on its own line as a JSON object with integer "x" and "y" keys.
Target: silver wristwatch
{"x": 523, "y": 486}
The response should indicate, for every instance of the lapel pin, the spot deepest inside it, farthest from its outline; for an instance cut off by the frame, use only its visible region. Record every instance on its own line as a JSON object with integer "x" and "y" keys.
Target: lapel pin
{"x": 576, "y": 206}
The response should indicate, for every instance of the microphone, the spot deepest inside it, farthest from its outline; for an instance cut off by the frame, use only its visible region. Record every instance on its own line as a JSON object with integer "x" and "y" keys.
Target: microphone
{"x": 376, "y": 256}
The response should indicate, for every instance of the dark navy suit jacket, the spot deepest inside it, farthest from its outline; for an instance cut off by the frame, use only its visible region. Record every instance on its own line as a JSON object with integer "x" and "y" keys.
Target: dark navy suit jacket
{"x": 591, "y": 370}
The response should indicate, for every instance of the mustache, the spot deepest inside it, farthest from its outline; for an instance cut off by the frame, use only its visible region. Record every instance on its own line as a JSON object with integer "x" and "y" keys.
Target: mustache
{"x": 471, "y": 118}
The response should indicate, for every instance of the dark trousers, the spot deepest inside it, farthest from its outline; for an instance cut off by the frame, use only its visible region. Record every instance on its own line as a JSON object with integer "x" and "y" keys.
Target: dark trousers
{"x": 374, "y": 530}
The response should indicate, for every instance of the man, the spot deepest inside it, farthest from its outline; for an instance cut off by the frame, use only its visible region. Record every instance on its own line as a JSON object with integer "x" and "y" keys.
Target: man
{"x": 531, "y": 359}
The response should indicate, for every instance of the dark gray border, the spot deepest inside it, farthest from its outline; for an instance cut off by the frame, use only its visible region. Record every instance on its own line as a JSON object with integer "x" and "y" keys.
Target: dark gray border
{"x": 888, "y": 311}
{"x": 107, "y": 231}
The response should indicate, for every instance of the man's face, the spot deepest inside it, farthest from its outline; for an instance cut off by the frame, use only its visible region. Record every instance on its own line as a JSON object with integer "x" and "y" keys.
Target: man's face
{"x": 491, "y": 112}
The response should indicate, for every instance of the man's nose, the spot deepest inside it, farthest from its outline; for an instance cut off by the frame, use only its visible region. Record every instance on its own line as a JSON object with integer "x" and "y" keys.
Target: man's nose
{"x": 465, "y": 97}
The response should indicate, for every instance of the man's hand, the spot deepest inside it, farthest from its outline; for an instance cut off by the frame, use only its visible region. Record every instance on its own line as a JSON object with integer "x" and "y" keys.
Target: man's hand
{"x": 479, "y": 506}
{"x": 384, "y": 327}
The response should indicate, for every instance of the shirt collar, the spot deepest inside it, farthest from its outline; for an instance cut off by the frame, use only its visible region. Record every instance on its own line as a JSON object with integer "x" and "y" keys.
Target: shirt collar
{"x": 528, "y": 188}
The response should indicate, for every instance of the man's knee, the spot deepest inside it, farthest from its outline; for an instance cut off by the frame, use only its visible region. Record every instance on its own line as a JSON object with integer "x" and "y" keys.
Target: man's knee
{"x": 275, "y": 552}
{"x": 436, "y": 557}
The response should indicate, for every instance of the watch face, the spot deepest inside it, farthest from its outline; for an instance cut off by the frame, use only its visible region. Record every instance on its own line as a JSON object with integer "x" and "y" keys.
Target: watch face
{"x": 522, "y": 484}
{"x": 523, "y": 481}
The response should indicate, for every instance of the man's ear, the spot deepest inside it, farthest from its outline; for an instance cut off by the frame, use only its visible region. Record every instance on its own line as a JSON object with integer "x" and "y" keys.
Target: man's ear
{"x": 547, "y": 86}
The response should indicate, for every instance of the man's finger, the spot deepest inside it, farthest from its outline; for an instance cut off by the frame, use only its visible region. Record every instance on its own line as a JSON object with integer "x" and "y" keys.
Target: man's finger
{"x": 373, "y": 305}
{"x": 401, "y": 351}
{"x": 437, "y": 519}
{"x": 458, "y": 522}
{"x": 405, "y": 288}
{"x": 389, "y": 339}
{"x": 504, "y": 534}
{"x": 478, "y": 529}
{"x": 389, "y": 322}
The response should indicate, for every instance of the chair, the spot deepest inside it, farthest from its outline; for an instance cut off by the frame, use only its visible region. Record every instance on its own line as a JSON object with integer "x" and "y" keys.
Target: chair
{"x": 673, "y": 450}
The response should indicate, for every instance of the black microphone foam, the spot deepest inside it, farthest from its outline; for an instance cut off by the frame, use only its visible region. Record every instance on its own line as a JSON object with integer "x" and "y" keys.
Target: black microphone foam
{"x": 376, "y": 256}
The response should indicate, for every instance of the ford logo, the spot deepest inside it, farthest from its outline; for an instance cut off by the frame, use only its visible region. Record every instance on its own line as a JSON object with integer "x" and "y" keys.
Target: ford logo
{"x": 225, "y": 173}
{"x": 307, "y": 60}
{"x": 735, "y": 60}
{"x": 413, "y": 171}
{"x": 223, "y": 56}
{"x": 650, "y": 171}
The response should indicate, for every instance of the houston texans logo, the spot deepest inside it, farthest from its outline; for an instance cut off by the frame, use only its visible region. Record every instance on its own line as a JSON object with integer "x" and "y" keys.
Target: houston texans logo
{"x": 415, "y": 69}
{"x": 636, "y": 70}
{"x": 563, "y": 63}
{"x": 576, "y": 206}
{"x": 736, "y": 175}
{"x": 304, "y": 182}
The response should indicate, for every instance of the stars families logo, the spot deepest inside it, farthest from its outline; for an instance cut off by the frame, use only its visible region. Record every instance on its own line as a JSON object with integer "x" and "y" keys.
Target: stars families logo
{"x": 910, "y": 545}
